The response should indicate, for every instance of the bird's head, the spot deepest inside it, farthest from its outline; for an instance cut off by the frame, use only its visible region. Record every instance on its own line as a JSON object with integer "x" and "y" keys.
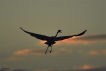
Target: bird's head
{"x": 59, "y": 31}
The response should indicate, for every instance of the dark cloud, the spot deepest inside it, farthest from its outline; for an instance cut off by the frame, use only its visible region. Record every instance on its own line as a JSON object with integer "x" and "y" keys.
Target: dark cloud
{"x": 93, "y": 69}
{"x": 19, "y": 70}
{"x": 13, "y": 70}
{"x": 93, "y": 37}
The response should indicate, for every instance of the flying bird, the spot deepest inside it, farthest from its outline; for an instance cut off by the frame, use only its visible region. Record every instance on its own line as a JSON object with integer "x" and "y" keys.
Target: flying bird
{"x": 51, "y": 40}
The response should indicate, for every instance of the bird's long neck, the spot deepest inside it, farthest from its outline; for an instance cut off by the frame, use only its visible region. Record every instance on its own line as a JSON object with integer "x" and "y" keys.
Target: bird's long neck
{"x": 56, "y": 34}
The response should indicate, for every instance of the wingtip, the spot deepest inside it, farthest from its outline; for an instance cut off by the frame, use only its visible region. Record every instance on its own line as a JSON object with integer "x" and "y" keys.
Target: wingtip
{"x": 20, "y": 27}
{"x": 81, "y": 33}
{"x": 85, "y": 31}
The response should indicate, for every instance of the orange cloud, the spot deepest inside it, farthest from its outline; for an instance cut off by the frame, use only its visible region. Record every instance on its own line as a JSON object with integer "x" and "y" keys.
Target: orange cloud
{"x": 80, "y": 68}
{"x": 85, "y": 67}
{"x": 41, "y": 52}
{"x": 94, "y": 52}
{"x": 28, "y": 51}
{"x": 59, "y": 51}
{"x": 97, "y": 52}
{"x": 13, "y": 58}
{"x": 103, "y": 52}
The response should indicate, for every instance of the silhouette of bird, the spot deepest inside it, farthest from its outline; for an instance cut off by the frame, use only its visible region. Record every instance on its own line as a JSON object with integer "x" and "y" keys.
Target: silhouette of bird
{"x": 51, "y": 40}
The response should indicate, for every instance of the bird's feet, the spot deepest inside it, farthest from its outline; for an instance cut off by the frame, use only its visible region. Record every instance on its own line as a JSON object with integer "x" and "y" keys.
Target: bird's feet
{"x": 45, "y": 52}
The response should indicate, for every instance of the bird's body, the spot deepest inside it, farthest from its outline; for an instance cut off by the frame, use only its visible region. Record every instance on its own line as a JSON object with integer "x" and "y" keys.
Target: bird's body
{"x": 51, "y": 40}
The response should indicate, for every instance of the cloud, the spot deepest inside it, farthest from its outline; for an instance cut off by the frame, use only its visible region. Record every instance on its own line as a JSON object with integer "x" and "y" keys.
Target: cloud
{"x": 50, "y": 69}
{"x": 78, "y": 68}
{"x": 59, "y": 51}
{"x": 94, "y": 52}
{"x": 87, "y": 39}
{"x": 13, "y": 58}
{"x": 90, "y": 68}
{"x": 103, "y": 52}
{"x": 19, "y": 70}
{"x": 40, "y": 52}
{"x": 101, "y": 37}
{"x": 22, "y": 54}
{"x": 87, "y": 67}
{"x": 97, "y": 52}
{"x": 28, "y": 51}
{"x": 13, "y": 70}
{"x": 84, "y": 68}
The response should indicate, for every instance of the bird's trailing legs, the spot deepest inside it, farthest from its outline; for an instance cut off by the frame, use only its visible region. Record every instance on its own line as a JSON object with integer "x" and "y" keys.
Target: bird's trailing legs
{"x": 46, "y": 50}
{"x": 51, "y": 49}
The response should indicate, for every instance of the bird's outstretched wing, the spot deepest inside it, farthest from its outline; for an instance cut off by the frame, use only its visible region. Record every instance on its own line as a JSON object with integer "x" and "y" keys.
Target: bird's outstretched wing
{"x": 38, "y": 36}
{"x": 66, "y": 37}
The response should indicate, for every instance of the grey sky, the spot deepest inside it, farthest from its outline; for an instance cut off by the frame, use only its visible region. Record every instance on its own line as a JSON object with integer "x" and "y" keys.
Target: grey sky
{"x": 46, "y": 17}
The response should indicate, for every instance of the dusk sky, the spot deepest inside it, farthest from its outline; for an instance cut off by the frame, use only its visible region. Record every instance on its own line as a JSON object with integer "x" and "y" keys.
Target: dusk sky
{"x": 21, "y": 52}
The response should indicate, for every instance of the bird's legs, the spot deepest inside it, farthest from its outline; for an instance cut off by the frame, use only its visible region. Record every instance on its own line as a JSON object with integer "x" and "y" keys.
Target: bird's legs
{"x": 51, "y": 49}
{"x": 46, "y": 50}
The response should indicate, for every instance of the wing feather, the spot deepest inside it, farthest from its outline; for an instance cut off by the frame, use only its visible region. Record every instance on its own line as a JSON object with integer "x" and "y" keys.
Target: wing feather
{"x": 38, "y": 36}
{"x": 66, "y": 37}
{"x": 62, "y": 38}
